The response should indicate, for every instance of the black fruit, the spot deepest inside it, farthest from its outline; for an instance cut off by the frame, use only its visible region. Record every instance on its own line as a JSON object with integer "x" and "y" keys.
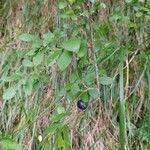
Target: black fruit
{"x": 82, "y": 105}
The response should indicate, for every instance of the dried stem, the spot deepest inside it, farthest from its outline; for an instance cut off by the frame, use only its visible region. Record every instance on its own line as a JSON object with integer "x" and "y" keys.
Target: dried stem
{"x": 92, "y": 48}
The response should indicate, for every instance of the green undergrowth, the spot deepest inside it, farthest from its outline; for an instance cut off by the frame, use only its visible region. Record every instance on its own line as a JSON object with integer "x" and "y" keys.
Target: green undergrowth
{"x": 53, "y": 54}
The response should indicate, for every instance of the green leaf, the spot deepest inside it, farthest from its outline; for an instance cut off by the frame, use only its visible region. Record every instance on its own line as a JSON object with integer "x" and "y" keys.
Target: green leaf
{"x": 38, "y": 58}
{"x": 61, "y": 143}
{"x": 36, "y": 42}
{"x": 66, "y": 137}
{"x": 83, "y": 49}
{"x": 89, "y": 78}
{"x": 28, "y": 87}
{"x": 75, "y": 88}
{"x": 53, "y": 57}
{"x": 105, "y": 80}
{"x": 62, "y": 5}
{"x": 27, "y": 63}
{"x": 72, "y": 45}
{"x": 138, "y": 14}
{"x": 48, "y": 37}
{"x": 73, "y": 78}
{"x": 94, "y": 93}
{"x": 8, "y": 144}
{"x": 10, "y": 92}
{"x": 72, "y": 90}
{"x": 51, "y": 129}
{"x": 60, "y": 109}
{"x": 64, "y": 60}
{"x": 26, "y": 37}
{"x": 85, "y": 96}
{"x": 63, "y": 140}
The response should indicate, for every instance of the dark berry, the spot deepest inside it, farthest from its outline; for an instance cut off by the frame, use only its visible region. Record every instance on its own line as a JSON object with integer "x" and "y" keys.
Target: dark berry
{"x": 82, "y": 104}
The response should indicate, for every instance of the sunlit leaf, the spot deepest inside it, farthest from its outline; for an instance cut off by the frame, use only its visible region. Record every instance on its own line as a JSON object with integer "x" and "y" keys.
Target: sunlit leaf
{"x": 72, "y": 45}
{"x": 53, "y": 57}
{"x": 48, "y": 37}
{"x": 64, "y": 60}
{"x": 10, "y": 92}
{"x": 38, "y": 58}
{"x": 26, "y": 37}
{"x": 85, "y": 96}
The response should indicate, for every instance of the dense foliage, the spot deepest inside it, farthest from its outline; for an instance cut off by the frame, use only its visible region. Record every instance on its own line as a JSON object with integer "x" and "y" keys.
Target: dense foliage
{"x": 54, "y": 54}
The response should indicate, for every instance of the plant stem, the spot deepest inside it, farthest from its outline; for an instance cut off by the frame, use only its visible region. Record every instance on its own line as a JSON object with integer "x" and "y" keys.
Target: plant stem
{"x": 122, "y": 110}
